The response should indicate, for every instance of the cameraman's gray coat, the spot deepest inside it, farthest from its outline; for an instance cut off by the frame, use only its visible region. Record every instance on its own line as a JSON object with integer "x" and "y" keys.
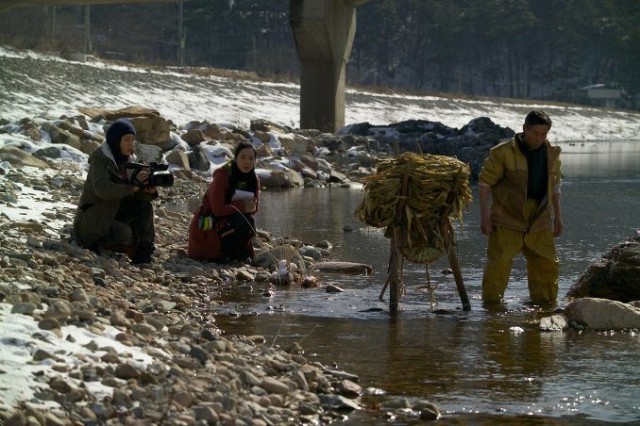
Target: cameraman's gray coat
{"x": 102, "y": 195}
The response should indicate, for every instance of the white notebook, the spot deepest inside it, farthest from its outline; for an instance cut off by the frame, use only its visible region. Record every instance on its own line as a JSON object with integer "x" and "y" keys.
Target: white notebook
{"x": 241, "y": 195}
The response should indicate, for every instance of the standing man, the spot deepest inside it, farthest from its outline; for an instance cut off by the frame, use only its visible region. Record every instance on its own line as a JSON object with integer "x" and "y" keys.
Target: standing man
{"x": 523, "y": 178}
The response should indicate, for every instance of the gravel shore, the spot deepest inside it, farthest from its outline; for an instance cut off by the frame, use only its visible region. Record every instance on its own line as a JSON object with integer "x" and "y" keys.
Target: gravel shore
{"x": 168, "y": 362}
{"x": 193, "y": 375}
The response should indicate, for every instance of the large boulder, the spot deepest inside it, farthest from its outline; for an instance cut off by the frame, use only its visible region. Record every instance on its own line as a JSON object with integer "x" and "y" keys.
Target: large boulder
{"x": 148, "y": 153}
{"x": 16, "y": 156}
{"x": 602, "y": 314}
{"x": 615, "y": 276}
{"x": 485, "y": 130}
{"x": 193, "y": 137}
{"x": 198, "y": 159}
{"x": 62, "y": 136}
{"x": 113, "y": 115}
{"x": 151, "y": 128}
{"x": 293, "y": 144}
{"x": 470, "y": 144}
{"x": 281, "y": 178}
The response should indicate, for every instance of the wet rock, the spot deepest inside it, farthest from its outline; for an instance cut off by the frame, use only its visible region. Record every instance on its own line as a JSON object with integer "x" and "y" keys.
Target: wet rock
{"x": 337, "y": 177}
{"x": 200, "y": 354}
{"x": 554, "y": 323}
{"x": 342, "y": 267}
{"x": 311, "y": 252}
{"x": 332, "y": 288}
{"x": 428, "y": 410}
{"x": 349, "y": 389}
{"x": 338, "y": 402}
{"x": 602, "y": 314}
{"x": 193, "y": 137}
{"x": 398, "y": 402}
{"x": 615, "y": 276}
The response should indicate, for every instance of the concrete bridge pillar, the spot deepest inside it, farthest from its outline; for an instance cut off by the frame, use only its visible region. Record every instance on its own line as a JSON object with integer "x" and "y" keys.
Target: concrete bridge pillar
{"x": 323, "y": 31}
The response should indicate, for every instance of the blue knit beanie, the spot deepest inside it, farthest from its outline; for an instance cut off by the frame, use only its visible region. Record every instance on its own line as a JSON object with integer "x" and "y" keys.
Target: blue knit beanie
{"x": 115, "y": 132}
{"x": 118, "y": 129}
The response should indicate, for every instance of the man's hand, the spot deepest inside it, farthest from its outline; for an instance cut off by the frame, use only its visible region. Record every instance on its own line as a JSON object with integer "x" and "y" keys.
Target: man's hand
{"x": 558, "y": 226}
{"x": 484, "y": 193}
{"x": 485, "y": 224}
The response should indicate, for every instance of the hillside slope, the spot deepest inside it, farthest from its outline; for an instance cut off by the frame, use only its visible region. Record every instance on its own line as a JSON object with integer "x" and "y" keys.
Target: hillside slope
{"x": 35, "y": 84}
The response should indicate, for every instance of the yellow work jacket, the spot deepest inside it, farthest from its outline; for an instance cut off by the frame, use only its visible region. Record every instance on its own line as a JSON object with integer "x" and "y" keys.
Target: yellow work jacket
{"x": 505, "y": 171}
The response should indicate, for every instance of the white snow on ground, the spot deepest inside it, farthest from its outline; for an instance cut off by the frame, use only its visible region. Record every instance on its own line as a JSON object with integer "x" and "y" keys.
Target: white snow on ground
{"x": 185, "y": 97}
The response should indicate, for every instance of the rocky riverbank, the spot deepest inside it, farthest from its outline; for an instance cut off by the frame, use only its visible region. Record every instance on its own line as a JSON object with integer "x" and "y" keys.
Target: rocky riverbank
{"x": 195, "y": 374}
{"x": 106, "y": 342}
{"x": 166, "y": 361}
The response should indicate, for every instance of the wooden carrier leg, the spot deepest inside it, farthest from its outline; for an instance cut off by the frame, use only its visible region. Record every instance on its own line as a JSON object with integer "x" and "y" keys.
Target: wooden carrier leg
{"x": 395, "y": 258}
{"x": 455, "y": 266}
{"x": 395, "y": 273}
{"x": 394, "y": 280}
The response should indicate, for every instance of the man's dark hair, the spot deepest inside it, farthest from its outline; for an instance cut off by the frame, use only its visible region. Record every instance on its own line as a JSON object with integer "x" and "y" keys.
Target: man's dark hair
{"x": 536, "y": 117}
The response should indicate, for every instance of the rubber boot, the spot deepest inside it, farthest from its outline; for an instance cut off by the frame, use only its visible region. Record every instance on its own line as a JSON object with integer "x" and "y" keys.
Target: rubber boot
{"x": 144, "y": 253}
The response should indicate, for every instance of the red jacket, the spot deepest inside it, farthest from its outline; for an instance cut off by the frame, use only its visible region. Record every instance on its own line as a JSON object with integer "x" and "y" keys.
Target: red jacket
{"x": 205, "y": 245}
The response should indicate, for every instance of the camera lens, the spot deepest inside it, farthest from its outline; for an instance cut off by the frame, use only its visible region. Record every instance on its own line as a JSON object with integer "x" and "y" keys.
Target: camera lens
{"x": 163, "y": 179}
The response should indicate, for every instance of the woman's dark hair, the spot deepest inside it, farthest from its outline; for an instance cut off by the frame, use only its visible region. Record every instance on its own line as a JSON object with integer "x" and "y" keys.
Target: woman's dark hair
{"x": 537, "y": 117}
{"x": 243, "y": 145}
{"x": 237, "y": 179}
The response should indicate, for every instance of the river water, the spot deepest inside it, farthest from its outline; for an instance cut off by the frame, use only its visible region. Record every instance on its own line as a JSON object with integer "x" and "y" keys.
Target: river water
{"x": 478, "y": 367}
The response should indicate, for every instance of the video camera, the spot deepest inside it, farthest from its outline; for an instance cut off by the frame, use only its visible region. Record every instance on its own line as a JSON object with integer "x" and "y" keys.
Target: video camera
{"x": 158, "y": 173}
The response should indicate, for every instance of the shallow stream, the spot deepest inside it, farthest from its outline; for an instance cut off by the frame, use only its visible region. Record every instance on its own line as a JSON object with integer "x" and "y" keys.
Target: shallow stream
{"x": 479, "y": 367}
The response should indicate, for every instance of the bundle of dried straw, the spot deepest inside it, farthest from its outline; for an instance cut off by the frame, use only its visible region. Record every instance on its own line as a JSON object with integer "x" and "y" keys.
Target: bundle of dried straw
{"x": 416, "y": 194}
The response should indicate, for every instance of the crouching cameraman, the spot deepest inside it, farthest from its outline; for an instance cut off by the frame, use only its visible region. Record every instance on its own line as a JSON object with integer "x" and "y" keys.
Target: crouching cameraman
{"x": 115, "y": 210}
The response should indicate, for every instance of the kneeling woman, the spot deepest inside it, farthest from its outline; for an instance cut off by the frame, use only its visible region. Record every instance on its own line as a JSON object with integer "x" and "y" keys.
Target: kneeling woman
{"x": 222, "y": 227}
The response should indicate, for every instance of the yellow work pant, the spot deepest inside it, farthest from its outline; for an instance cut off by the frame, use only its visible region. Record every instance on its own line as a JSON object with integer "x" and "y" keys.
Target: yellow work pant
{"x": 539, "y": 250}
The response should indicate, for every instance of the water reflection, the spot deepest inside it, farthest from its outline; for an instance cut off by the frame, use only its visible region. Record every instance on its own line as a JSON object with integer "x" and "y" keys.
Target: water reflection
{"x": 515, "y": 359}
{"x": 479, "y": 367}
{"x": 600, "y": 159}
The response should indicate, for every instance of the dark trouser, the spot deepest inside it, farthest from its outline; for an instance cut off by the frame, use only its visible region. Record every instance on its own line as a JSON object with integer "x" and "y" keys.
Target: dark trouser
{"x": 236, "y": 232}
{"x": 133, "y": 224}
